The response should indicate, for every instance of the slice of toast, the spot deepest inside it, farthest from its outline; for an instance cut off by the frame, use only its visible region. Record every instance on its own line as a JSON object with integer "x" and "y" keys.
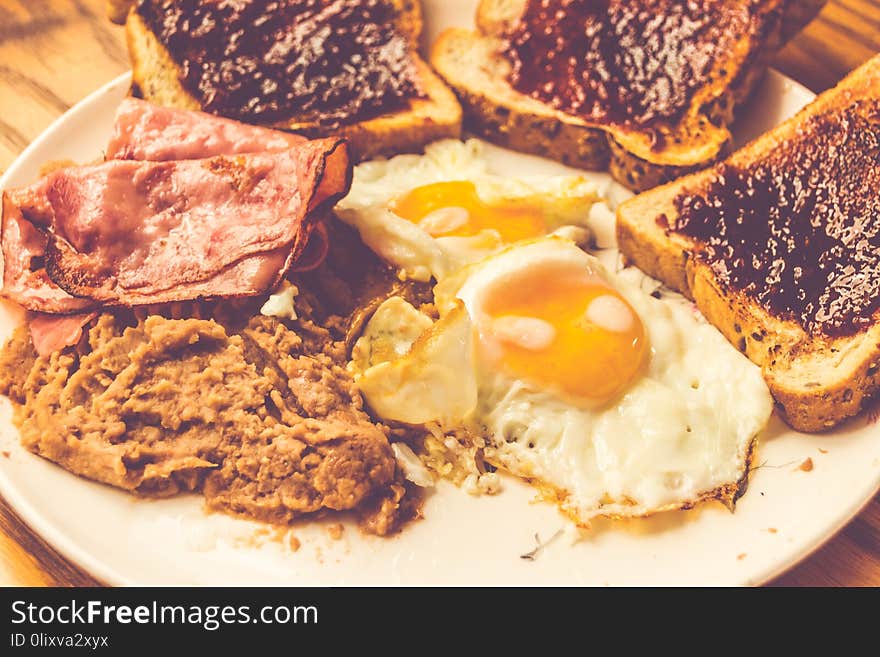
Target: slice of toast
{"x": 818, "y": 380}
{"x": 473, "y": 64}
{"x": 437, "y": 115}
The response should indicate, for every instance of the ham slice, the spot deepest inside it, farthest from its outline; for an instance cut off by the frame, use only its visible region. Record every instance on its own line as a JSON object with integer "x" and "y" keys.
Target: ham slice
{"x": 23, "y": 248}
{"x": 188, "y": 205}
{"x": 144, "y": 131}
{"x": 49, "y": 333}
{"x": 129, "y": 232}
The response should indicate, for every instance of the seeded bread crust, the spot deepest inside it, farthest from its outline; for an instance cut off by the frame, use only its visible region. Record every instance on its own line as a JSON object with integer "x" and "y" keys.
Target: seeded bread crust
{"x": 817, "y": 381}
{"x": 470, "y": 61}
{"x": 437, "y": 116}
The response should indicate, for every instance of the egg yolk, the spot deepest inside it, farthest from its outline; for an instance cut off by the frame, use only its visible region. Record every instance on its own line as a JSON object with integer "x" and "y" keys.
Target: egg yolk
{"x": 577, "y": 336}
{"x": 453, "y": 209}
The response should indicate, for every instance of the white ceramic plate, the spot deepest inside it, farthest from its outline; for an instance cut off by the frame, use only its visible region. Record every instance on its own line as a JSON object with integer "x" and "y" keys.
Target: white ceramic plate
{"x": 120, "y": 539}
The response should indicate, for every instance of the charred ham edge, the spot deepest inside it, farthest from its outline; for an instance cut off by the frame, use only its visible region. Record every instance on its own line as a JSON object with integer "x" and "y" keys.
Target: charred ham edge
{"x": 315, "y": 251}
{"x": 24, "y": 281}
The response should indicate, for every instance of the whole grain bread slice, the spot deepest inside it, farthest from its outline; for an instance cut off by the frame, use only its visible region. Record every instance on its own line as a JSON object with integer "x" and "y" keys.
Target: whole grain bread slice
{"x": 817, "y": 380}
{"x": 473, "y": 64}
{"x": 437, "y": 115}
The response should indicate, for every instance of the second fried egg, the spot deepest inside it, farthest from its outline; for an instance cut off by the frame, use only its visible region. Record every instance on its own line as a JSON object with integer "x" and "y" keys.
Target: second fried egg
{"x": 432, "y": 214}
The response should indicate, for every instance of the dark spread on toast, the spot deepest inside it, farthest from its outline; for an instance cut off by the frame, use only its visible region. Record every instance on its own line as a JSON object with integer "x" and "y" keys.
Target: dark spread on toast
{"x": 620, "y": 62}
{"x": 326, "y": 62}
{"x": 800, "y": 231}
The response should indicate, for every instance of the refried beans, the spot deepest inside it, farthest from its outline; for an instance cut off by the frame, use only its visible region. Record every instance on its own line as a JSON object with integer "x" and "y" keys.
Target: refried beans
{"x": 257, "y": 413}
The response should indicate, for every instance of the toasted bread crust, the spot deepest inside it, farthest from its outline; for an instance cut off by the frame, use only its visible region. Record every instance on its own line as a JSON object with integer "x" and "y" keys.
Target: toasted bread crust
{"x": 639, "y": 174}
{"x": 472, "y": 64}
{"x": 437, "y": 116}
{"x": 574, "y": 145}
{"x": 848, "y": 373}
{"x": 817, "y": 381}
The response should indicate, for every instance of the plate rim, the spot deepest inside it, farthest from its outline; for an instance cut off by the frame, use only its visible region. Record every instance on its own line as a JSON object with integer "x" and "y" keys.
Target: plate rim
{"x": 95, "y": 567}
{"x": 16, "y": 499}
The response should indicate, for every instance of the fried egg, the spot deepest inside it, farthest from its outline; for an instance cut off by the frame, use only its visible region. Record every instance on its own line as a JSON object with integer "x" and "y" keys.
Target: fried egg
{"x": 610, "y": 401}
{"x": 432, "y": 214}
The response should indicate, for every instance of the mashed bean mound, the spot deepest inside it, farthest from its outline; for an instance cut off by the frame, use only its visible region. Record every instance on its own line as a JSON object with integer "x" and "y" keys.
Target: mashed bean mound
{"x": 258, "y": 414}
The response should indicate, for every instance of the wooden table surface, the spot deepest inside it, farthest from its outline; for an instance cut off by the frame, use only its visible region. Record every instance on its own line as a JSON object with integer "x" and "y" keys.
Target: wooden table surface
{"x": 52, "y": 53}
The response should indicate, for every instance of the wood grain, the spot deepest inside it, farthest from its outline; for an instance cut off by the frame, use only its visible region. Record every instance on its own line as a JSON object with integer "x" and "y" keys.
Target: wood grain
{"x": 54, "y": 53}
